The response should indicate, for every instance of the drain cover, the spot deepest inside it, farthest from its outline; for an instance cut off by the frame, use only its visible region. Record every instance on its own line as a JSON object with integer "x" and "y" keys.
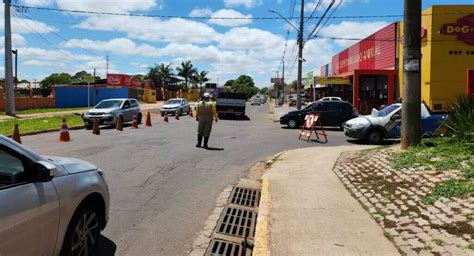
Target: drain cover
{"x": 245, "y": 197}
{"x": 220, "y": 247}
{"x": 237, "y": 222}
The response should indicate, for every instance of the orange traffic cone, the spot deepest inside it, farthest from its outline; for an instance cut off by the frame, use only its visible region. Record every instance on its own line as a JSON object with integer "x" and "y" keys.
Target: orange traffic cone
{"x": 148, "y": 120}
{"x": 166, "y": 118}
{"x": 134, "y": 123}
{"x": 16, "y": 134}
{"x": 119, "y": 125}
{"x": 176, "y": 115}
{"x": 96, "y": 128}
{"x": 64, "y": 132}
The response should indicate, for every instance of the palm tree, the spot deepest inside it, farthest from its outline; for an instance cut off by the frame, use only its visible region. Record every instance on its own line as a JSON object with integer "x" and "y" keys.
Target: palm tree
{"x": 201, "y": 77}
{"x": 186, "y": 71}
{"x": 159, "y": 73}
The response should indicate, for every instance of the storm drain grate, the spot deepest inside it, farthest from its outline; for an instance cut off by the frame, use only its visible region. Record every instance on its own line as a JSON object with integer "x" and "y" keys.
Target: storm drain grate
{"x": 245, "y": 197}
{"x": 224, "y": 248}
{"x": 237, "y": 222}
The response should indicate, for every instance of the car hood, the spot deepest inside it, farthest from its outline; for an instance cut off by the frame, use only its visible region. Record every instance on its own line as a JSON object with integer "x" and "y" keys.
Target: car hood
{"x": 171, "y": 106}
{"x": 366, "y": 121}
{"x": 72, "y": 165}
{"x": 102, "y": 110}
{"x": 292, "y": 113}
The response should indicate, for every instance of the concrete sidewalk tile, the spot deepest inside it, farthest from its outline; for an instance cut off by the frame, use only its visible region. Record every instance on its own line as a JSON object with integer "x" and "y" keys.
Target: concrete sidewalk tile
{"x": 312, "y": 213}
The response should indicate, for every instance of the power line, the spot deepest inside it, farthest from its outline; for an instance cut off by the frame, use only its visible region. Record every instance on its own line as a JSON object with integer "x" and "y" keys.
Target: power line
{"x": 24, "y": 7}
{"x": 375, "y": 39}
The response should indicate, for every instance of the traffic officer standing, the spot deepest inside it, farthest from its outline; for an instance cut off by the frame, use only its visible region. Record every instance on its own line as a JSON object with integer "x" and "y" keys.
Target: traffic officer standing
{"x": 205, "y": 114}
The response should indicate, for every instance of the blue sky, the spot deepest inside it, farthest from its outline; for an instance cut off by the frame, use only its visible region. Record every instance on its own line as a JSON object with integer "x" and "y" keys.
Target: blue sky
{"x": 50, "y": 41}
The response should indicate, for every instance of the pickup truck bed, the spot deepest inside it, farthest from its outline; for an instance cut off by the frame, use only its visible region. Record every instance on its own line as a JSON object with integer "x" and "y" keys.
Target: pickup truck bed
{"x": 231, "y": 104}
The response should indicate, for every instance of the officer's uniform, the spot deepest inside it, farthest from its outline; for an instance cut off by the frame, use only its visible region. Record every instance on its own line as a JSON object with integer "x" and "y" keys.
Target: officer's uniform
{"x": 205, "y": 113}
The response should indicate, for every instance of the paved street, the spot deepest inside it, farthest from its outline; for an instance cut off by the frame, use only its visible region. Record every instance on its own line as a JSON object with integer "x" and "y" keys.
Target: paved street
{"x": 162, "y": 187}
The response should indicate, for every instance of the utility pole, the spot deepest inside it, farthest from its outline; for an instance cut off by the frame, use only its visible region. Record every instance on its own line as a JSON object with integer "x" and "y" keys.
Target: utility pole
{"x": 300, "y": 56}
{"x": 411, "y": 101}
{"x": 9, "y": 92}
{"x": 94, "y": 73}
{"x": 283, "y": 72}
{"x": 15, "y": 78}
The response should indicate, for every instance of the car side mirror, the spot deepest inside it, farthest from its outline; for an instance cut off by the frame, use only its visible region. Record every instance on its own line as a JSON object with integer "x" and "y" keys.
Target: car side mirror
{"x": 44, "y": 171}
{"x": 374, "y": 112}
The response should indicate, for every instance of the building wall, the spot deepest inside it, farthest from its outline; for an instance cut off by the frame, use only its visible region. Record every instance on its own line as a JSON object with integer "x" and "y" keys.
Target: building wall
{"x": 73, "y": 97}
{"x": 444, "y": 73}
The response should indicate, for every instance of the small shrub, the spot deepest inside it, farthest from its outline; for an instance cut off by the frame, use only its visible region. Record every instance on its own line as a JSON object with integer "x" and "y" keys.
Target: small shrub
{"x": 461, "y": 116}
{"x": 453, "y": 188}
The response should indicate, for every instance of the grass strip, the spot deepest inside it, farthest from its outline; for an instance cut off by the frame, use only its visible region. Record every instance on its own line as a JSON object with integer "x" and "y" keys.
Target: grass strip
{"x": 43, "y": 110}
{"x": 38, "y": 124}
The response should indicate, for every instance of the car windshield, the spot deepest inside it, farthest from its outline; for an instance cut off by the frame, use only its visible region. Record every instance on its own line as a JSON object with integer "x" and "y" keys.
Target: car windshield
{"x": 387, "y": 110}
{"x": 173, "y": 102}
{"x": 109, "y": 104}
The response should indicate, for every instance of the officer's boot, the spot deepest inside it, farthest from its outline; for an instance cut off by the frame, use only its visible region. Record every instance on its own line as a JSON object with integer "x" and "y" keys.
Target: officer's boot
{"x": 206, "y": 140}
{"x": 198, "y": 145}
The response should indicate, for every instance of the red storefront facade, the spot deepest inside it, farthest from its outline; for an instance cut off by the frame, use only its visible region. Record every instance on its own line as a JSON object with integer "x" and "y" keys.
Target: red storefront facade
{"x": 366, "y": 62}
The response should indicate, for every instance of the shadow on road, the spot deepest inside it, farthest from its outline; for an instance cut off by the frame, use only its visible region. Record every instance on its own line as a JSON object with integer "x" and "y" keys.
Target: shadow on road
{"x": 235, "y": 118}
{"x": 384, "y": 143}
{"x": 215, "y": 149}
{"x": 105, "y": 247}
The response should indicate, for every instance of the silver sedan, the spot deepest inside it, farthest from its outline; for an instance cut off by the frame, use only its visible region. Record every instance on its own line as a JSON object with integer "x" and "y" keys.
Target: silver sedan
{"x": 49, "y": 205}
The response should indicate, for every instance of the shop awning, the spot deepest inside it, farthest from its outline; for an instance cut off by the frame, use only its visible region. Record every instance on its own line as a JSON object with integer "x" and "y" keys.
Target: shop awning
{"x": 332, "y": 80}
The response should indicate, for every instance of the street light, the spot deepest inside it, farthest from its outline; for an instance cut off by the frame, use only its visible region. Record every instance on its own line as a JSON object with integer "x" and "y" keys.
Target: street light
{"x": 289, "y": 22}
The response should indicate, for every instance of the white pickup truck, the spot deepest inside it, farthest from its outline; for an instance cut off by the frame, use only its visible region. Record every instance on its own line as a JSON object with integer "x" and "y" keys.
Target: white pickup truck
{"x": 386, "y": 123}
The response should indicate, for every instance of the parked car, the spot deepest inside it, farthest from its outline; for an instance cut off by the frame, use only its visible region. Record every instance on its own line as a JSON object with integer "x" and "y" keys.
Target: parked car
{"x": 293, "y": 99}
{"x": 332, "y": 113}
{"x": 386, "y": 123}
{"x": 173, "y": 106}
{"x": 330, "y": 98}
{"x": 49, "y": 205}
{"x": 255, "y": 101}
{"x": 109, "y": 111}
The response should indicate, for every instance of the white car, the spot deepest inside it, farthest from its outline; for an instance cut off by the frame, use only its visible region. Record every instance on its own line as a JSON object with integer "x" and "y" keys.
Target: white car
{"x": 49, "y": 205}
{"x": 173, "y": 106}
{"x": 330, "y": 99}
{"x": 109, "y": 111}
{"x": 255, "y": 102}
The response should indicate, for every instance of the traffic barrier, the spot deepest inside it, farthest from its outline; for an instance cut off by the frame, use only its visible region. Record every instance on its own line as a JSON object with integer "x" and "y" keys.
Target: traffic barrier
{"x": 176, "y": 115}
{"x": 148, "y": 120}
{"x": 166, "y": 118}
{"x": 310, "y": 123}
{"x": 16, "y": 134}
{"x": 119, "y": 125}
{"x": 64, "y": 132}
{"x": 96, "y": 128}
{"x": 134, "y": 122}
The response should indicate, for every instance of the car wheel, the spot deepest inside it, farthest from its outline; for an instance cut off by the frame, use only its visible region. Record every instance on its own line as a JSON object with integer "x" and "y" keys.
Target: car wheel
{"x": 375, "y": 137}
{"x": 162, "y": 114}
{"x": 139, "y": 118}
{"x": 292, "y": 124}
{"x": 341, "y": 126}
{"x": 180, "y": 112}
{"x": 82, "y": 233}
{"x": 88, "y": 127}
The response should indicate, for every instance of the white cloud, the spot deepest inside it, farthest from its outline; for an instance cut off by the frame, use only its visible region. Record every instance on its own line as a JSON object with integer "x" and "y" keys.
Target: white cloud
{"x": 309, "y": 7}
{"x": 33, "y": 53}
{"x": 118, "y": 46}
{"x": 17, "y": 40}
{"x": 139, "y": 65}
{"x": 250, "y": 38}
{"x": 246, "y": 3}
{"x": 151, "y": 29}
{"x": 22, "y": 25}
{"x": 352, "y": 29}
{"x": 230, "y": 22}
{"x": 201, "y": 12}
{"x": 110, "y": 5}
{"x": 36, "y": 2}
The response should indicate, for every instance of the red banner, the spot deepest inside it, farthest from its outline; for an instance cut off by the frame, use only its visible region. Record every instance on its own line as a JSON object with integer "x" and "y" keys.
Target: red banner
{"x": 374, "y": 52}
{"x": 463, "y": 29}
{"x": 118, "y": 80}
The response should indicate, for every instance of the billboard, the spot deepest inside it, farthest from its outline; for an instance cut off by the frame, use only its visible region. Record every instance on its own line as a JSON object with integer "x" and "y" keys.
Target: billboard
{"x": 118, "y": 80}
{"x": 374, "y": 52}
{"x": 463, "y": 29}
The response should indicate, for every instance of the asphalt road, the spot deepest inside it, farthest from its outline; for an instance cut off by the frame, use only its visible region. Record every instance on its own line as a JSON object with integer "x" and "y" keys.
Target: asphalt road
{"x": 162, "y": 187}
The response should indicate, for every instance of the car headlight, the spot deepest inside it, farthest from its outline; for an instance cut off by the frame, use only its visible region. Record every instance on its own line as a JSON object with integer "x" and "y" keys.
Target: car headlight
{"x": 101, "y": 173}
{"x": 357, "y": 126}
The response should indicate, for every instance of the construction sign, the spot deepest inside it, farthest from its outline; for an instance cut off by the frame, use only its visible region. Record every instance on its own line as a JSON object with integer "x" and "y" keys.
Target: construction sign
{"x": 310, "y": 124}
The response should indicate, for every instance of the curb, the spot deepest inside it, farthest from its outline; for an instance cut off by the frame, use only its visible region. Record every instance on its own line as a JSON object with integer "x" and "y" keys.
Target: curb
{"x": 49, "y": 130}
{"x": 262, "y": 232}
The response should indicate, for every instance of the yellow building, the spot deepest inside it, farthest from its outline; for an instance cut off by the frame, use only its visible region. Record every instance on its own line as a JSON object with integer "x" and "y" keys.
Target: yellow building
{"x": 447, "y": 54}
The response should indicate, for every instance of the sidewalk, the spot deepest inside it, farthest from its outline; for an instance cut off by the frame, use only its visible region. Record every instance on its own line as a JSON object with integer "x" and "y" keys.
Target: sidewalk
{"x": 306, "y": 210}
{"x": 151, "y": 107}
{"x": 278, "y": 111}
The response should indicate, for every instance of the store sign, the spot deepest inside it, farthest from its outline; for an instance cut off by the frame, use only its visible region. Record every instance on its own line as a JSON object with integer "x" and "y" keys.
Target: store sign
{"x": 463, "y": 29}
{"x": 374, "y": 52}
{"x": 118, "y": 80}
{"x": 274, "y": 80}
{"x": 332, "y": 80}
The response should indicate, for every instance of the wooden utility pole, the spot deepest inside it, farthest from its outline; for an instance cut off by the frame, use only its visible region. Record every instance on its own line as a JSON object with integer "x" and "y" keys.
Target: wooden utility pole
{"x": 300, "y": 56}
{"x": 411, "y": 101}
{"x": 9, "y": 92}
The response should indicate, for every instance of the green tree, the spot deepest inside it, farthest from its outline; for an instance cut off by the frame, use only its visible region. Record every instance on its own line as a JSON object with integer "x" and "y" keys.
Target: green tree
{"x": 245, "y": 84}
{"x": 24, "y": 81}
{"x": 76, "y": 78}
{"x": 201, "y": 77}
{"x": 264, "y": 90}
{"x": 186, "y": 71}
{"x": 279, "y": 85}
{"x": 229, "y": 83}
{"x": 293, "y": 85}
{"x": 159, "y": 73}
{"x": 55, "y": 79}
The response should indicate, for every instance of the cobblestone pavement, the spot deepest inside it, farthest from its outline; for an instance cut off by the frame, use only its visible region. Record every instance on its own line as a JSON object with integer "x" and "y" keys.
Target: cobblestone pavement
{"x": 394, "y": 199}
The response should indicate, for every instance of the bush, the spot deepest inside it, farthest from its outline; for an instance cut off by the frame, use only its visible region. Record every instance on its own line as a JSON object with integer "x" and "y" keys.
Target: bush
{"x": 461, "y": 117}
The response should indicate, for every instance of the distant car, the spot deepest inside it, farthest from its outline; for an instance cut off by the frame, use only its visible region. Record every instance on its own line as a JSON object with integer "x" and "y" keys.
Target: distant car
{"x": 332, "y": 113}
{"x": 173, "y": 106}
{"x": 255, "y": 102}
{"x": 292, "y": 101}
{"x": 49, "y": 205}
{"x": 109, "y": 111}
{"x": 386, "y": 123}
{"x": 330, "y": 98}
